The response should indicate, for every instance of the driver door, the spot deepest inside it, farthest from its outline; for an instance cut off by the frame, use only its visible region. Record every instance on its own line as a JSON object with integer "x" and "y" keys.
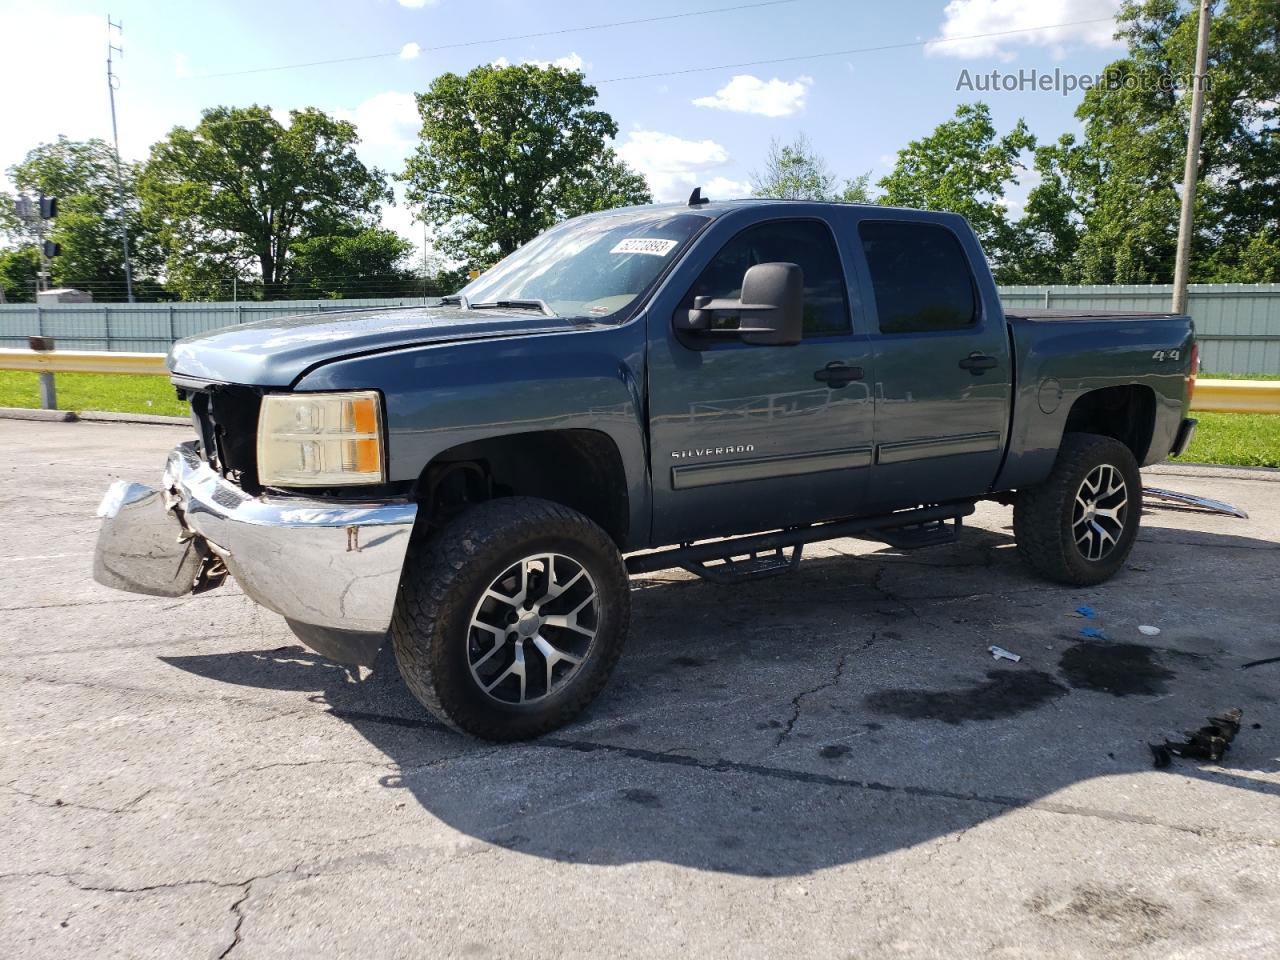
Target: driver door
{"x": 746, "y": 437}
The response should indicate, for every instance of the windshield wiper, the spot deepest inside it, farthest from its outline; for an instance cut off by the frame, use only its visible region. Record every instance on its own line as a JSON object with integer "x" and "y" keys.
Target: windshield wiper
{"x": 516, "y": 304}
{"x": 457, "y": 298}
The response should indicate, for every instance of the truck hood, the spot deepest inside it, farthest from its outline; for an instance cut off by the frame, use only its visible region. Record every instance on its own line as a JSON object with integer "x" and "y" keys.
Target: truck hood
{"x": 274, "y": 353}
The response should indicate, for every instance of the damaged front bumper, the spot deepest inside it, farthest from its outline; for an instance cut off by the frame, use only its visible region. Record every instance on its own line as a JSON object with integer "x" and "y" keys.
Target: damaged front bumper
{"x": 331, "y": 569}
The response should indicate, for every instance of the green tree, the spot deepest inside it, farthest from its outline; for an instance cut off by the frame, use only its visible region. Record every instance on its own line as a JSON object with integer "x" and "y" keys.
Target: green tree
{"x": 234, "y": 195}
{"x": 1122, "y": 180}
{"x": 606, "y": 183}
{"x": 370, "y": 263}
{"x": 796, "y": 171}
{"x": 965, "y": 167}
{"x": 18, "y": 274}
{"x": 83, "y": 175}
{"x": 505, "y": 152}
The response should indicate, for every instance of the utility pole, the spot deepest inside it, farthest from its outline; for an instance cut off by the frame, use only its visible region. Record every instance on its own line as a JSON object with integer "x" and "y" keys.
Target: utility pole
{"x": 1191, "y": 172}
{"x": 112, "y": 82}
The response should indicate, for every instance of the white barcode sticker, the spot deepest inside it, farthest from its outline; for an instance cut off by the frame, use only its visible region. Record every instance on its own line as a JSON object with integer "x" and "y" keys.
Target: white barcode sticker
{"x": 653, "y": 246}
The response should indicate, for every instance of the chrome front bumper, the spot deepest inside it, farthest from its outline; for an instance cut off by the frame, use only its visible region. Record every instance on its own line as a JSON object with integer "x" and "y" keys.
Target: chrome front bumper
{"x": 321, "y": 564}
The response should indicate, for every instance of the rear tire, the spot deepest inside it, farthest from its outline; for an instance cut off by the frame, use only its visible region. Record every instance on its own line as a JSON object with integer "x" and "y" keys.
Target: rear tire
{"x": 511, "y": 618}
{"x": 1080, "y": 524}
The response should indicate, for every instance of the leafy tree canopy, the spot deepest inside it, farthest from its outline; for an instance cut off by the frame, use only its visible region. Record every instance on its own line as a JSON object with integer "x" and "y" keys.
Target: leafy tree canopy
{"x": 1112, "y": 197}
{"x": 965, "y": 167}
{"x": 795, "y": 171}
{"x": 505, "y": 152}
{"x": 234, "y": 195}
{"x": 97, "y": 200}
{"x": 366, "y": 264}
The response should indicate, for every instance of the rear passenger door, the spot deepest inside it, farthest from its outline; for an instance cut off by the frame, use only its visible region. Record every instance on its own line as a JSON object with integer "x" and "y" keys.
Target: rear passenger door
{"x": 942, "y": 369}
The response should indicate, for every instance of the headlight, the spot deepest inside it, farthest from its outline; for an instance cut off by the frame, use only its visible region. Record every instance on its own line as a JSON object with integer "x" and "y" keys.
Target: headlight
{"x": 320, "y": 439}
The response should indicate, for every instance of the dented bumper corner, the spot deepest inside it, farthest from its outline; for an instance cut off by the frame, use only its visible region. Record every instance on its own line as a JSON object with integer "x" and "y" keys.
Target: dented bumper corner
{"x": 332, "y": 566}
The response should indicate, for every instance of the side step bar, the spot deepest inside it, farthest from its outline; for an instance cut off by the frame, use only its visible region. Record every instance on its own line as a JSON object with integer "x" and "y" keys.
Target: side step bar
{"x": 700, "y": 553}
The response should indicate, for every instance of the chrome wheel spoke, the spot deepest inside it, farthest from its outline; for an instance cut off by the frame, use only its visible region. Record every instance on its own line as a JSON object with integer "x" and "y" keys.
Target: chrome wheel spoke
{"x": 515, "y": 670}
{"x": 569, "y": 621}
{"x": 554, "y": 656}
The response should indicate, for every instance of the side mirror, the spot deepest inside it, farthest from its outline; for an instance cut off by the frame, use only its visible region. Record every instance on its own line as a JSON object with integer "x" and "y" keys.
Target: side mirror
{"x": 771, "y": 308}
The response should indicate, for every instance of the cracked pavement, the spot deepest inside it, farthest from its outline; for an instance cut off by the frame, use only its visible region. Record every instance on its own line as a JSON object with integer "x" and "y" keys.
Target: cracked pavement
{"x": 825, "y": 764}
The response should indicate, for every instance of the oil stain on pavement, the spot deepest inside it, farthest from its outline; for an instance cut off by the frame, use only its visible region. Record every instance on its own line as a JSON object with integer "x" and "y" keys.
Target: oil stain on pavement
{"x": 1120, "y": 669}
{"x": 1004, "y": 694}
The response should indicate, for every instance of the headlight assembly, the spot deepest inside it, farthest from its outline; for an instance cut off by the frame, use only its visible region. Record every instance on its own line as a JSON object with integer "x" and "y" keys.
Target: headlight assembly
{"x": 320, "y": 439}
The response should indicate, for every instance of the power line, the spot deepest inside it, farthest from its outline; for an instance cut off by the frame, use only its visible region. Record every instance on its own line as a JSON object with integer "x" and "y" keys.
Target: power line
{"x": 733, "y": 66}
{"x": 852, "y": 51}
{"x": 515, "y": 36}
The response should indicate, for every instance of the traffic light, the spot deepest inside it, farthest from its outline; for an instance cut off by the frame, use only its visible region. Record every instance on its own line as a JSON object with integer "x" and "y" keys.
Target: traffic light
{"x": 48, "y": 208}
{"x": 52, "y": 249}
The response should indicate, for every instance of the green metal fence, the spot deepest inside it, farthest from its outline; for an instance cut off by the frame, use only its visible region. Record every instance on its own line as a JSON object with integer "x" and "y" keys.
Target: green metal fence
{"x": 1238, "y": 324}
{"x": 152, "y": 327}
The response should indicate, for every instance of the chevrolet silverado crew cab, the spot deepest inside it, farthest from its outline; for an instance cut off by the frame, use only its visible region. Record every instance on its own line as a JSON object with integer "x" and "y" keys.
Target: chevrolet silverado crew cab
{"x": 707, "y": 386}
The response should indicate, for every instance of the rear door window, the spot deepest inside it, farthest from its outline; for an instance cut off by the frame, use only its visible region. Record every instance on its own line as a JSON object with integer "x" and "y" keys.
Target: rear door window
{"x": 919, "y": 275}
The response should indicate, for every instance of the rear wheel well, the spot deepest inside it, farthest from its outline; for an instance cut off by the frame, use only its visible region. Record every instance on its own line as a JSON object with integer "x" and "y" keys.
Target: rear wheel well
{"x": 1125, "y": 413}
{"x": 581, "y": 469}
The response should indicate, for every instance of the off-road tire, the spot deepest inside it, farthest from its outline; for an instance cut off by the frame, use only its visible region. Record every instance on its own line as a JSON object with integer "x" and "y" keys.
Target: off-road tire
{"x": 446, "y": 574}
{"x": 1043, "y": 515}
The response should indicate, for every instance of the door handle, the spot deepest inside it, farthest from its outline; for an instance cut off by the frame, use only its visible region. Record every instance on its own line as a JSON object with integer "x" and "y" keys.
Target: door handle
{"x": 976, "y": 363}
{"x": 836, "y": 374}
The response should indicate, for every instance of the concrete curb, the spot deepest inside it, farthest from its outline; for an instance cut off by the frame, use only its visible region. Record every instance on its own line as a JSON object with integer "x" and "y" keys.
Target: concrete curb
{"x": 155, "y": 419}
{"x": 90, "y": 416}
{"x": 24, "y": 413}
{"x": 1224, "y": 471}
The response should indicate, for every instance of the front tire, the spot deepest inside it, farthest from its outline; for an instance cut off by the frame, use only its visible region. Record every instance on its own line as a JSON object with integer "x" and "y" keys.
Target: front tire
{"x": 511, "y": 618}
{"x": 1080, "y": 524}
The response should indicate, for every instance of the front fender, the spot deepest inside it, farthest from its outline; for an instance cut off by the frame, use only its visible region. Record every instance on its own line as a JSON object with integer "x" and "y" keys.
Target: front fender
{"x": 441, "y": 395}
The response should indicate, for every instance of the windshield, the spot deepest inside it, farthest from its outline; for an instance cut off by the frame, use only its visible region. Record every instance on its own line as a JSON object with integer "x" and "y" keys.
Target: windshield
{"x": 591, "y": 267}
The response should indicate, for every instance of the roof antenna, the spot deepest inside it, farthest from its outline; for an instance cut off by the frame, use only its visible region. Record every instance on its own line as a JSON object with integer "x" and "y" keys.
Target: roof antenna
{"x": 697, "y": 199}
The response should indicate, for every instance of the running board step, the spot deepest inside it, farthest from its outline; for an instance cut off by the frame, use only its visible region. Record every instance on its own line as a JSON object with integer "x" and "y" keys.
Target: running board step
{"x": 699, "y": 555}
{"x": 754, "y": 566}
{"x": 931, "y": 534}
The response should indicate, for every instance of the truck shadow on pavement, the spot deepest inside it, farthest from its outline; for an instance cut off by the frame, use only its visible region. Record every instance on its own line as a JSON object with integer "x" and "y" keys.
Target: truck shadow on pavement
{"x": 842, "y": 712}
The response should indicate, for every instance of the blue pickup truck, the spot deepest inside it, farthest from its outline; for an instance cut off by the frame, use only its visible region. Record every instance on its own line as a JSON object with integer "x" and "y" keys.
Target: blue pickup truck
{"x": 703, "y": 385}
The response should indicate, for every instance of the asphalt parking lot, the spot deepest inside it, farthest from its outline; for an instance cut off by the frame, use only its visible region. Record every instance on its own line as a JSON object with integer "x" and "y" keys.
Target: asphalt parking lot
{"x": 828, "y": 764}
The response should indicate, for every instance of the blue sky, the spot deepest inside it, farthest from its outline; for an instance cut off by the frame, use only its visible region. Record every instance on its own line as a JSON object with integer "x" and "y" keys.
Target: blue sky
{"x": 710, "y": 127}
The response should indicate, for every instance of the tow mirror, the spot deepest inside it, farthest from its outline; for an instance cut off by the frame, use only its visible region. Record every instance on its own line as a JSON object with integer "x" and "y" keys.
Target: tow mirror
{"x": 770, "y": 311}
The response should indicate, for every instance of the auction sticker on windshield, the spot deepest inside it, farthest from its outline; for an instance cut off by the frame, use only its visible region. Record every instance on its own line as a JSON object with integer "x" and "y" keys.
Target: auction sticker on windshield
{"x": 655, "y": 246}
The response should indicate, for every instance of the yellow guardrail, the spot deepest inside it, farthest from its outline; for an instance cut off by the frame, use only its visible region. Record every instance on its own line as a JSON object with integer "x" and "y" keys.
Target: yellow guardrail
{"x": 1236, "y": 396}
{"x": 83, "y": 361}
{"x": 1211, "y": 396}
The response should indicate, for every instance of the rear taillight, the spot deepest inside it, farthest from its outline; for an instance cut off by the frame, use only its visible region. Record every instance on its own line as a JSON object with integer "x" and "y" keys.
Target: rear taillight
{"x": 1193, "y": 370}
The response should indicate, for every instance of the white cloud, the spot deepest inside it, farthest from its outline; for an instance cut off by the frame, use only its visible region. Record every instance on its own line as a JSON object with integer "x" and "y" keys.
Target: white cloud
{"x": 722, "y": 188}
{"x": 387, "y": 119}
{"x": 410, "y": 51}
{"x": 181, "y": 66}
{"x": 748, "y": 94}
{"x": 418, "y": 4}
{"x": 672, "y": 166}
{"x": 571, "y": 61}
{"x": 970, "y": 18}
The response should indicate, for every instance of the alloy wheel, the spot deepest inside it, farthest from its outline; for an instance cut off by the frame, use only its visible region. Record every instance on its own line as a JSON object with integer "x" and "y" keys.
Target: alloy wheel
{"x": 1100, "y": 512}
{"x": 533, "y": 627}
